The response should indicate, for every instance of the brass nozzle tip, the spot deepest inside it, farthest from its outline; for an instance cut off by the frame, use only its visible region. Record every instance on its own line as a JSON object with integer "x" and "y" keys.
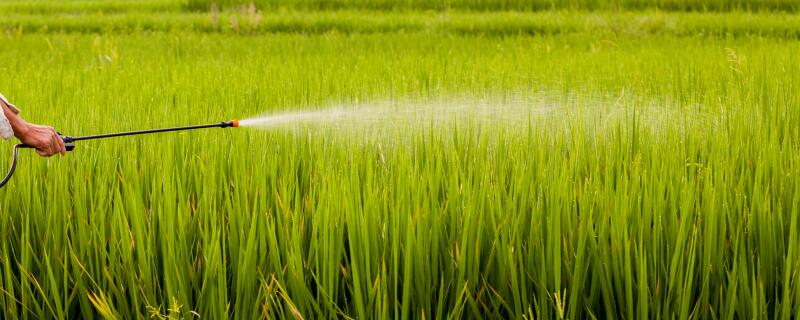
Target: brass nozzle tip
{"x": 235, "y": 123}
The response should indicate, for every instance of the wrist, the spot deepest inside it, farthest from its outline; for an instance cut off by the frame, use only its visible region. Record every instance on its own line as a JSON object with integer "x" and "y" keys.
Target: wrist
{"x": 21, "y": 129}
{"x": 18, "y": 125}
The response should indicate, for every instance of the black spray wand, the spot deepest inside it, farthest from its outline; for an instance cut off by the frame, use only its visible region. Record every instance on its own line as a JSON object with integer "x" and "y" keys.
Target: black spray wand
{"x": 69, "y": 142}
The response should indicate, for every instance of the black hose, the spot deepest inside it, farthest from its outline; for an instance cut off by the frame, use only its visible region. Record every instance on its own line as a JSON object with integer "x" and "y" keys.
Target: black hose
{"x": 13, "y": 164}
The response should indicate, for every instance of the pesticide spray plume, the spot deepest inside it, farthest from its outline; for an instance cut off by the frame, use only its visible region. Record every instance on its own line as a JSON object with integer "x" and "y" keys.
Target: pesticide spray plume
{"x": 549, "y": 111}
{"x": 408, "y": 113}
{"x": 594, "y": 114}
{"x": 69, "y": 142}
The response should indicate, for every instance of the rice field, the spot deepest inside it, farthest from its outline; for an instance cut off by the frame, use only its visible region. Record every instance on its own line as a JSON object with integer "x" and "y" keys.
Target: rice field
{"x": 606, "y": 160}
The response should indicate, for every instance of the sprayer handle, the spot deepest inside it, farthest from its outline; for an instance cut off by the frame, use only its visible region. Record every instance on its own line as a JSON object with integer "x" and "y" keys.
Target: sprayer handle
{"x": 68, "y": 144}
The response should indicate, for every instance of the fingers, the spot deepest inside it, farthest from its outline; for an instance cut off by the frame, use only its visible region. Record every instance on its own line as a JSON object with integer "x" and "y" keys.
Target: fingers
{"x": 60, "y": 148}
{"x": 53, "y": 144}
{"x": 46, "y": 151}
{"x": 46, "y": 141}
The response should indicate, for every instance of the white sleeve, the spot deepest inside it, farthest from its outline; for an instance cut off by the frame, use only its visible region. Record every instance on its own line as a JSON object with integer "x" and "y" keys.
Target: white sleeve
{"x": 5, "y": 128}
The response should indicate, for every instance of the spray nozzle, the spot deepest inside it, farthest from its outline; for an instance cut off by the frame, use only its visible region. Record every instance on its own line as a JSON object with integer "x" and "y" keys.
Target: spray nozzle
{"x": 233, "y": 123}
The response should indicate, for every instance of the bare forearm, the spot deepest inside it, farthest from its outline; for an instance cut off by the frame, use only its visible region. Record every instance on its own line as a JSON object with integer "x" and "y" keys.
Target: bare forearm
{"x": 19, "y": 125}
{"x": 44, "y": 139}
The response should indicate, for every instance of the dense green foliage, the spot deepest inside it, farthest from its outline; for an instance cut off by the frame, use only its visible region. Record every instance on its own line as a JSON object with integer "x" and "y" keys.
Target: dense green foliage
{"x": 665, "y": 183}
{"x": 638, "y": 24}
{"x": 525, "y": 5}
{"x": 405, "y": 5}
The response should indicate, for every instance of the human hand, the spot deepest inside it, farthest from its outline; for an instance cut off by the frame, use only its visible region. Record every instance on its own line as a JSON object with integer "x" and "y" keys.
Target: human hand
{"x": 44, "y": 139}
